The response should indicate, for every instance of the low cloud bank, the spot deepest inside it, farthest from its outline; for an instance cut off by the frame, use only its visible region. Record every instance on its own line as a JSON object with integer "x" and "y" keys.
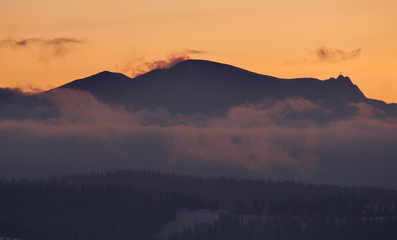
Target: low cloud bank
{"x": 72, "y": 131}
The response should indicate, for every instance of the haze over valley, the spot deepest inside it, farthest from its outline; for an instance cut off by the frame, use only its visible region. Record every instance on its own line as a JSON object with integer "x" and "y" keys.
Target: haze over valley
{"x": 203, "y": 118}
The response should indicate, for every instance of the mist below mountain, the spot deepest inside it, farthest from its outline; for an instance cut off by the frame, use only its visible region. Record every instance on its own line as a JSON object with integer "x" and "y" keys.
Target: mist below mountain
{"x": 202, "y": 118}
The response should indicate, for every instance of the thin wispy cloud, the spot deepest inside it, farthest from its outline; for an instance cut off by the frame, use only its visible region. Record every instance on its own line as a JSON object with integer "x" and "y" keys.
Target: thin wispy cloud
{"x": 324, "y": 54}
{"x": 43, "y": 49}
{"x": 171, "y": 61}
{"x": 192, "y": 51}
{"x": 140, "y": 66}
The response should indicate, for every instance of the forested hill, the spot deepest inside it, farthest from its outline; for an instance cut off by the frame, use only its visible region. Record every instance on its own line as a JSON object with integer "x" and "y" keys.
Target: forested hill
{"x": 137, "y": 204}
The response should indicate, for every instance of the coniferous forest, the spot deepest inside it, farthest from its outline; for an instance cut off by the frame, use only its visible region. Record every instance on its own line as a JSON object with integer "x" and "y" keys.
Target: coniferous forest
{"x": 134, "y": 204}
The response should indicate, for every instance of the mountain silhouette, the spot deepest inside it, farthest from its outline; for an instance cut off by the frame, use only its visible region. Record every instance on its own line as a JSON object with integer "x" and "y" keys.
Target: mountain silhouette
{"x": 209, "y": 87}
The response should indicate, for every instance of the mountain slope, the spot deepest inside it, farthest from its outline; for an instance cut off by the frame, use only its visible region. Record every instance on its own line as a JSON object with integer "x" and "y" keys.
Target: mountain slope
{"x": 209, "y": 87}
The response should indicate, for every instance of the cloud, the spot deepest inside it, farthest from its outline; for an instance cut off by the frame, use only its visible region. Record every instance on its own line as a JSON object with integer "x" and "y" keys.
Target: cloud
{"x": 140, "y": 66}
{"x": 324, "y": 54}
{"x": 277, "y": 139}
{"x": 32, "y": 88}
{"x": 192, "y": 51}
{"x": 45, "y": 49}
{"x": 171, "y": 61}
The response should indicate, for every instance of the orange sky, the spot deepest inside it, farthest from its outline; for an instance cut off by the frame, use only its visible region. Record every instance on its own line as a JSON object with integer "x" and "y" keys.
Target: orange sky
{"x": 66, "y": 40}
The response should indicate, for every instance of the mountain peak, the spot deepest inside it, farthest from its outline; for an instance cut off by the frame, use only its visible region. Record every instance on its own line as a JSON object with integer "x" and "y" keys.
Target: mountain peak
{"x": 108, "y": 75}
{"x": 349, "y": 85}
{"x": 192, "y": 64}
{"x": 341, "y": 79}
{"x": 99, "y": 80}
{"x": 344, "y": 78}
{"x": 105, "y": 73}
{"x": 196, "y": 62}
{"x": 209, "y": 69}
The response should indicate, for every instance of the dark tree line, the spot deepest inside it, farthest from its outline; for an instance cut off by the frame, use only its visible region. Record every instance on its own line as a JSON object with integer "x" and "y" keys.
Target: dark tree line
{"x": 47, "y": 209}
{"x": 232, "y": 227}
{"x": 133, "y": 204}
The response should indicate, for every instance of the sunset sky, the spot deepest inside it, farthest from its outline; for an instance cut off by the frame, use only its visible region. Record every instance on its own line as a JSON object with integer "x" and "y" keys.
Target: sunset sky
{"x": 46, "y": 43}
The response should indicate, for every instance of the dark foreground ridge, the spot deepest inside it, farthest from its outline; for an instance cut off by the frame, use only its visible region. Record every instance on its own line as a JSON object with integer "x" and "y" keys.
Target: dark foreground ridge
{"x": 212, "y": 88}
{"x": 137, "y": 204}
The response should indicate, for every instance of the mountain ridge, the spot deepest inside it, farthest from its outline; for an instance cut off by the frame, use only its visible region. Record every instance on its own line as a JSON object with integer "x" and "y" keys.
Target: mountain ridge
{"x": 211, "y": 87}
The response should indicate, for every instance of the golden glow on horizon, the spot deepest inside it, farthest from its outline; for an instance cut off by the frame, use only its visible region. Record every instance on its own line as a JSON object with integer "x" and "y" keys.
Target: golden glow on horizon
{"x": 276, "y": 38}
